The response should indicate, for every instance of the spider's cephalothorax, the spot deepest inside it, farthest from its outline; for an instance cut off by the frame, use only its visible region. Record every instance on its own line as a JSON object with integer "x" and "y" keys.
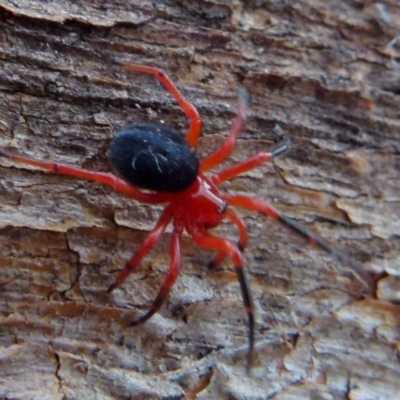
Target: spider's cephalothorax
{"x": 158, "y": 159}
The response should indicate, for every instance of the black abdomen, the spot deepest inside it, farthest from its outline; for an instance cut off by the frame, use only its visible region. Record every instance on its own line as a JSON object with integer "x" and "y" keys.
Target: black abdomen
{"x": 154, "y": 157}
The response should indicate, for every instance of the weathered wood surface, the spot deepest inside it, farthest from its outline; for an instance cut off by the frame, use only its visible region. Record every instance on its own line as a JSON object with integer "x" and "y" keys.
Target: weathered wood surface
{"x": 319, "y": 72}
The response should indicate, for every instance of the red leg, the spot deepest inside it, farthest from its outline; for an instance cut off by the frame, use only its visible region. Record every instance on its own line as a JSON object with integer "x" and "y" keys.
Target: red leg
{"x": 100, "y": 177}
{"x": 236, "y": 220}
{"x": 229, "y": 143}
{"x": 313, "y": 238}
{"x": 204, "y": 239}
{"x": 188, "y": 108}
{"x": 250, "y": 163}
{"x": 174, "y": 269}
{"x": 151, "y": 239}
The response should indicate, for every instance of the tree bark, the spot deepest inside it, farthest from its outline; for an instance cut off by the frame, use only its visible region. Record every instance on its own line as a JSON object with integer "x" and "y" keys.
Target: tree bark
{"x": 325, "y": 74}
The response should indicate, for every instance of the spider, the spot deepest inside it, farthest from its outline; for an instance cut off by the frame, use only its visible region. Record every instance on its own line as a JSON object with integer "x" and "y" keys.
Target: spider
{"x": 159, "y": 160}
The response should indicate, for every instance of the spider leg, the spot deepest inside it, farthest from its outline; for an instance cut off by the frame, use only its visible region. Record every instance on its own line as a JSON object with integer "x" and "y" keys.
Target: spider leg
{"x": 204, "y": 239}
{"x": 188, "y": 108}
{"x": 312, "y": 237}
{"x": 250, "y": 163}
{"x": 100, "y": 177}
{"x": 174, "y": 269}
{"x": 152, "y": 238}
{"x": 236, "y": 220}
{"x": 229, "y": 143}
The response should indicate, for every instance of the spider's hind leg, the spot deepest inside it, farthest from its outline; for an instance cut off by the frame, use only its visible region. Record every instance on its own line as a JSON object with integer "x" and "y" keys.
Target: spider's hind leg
{"x": 80, "y": 173}
{"x": 229, "y": 143}
{"x": 188, "y": 108}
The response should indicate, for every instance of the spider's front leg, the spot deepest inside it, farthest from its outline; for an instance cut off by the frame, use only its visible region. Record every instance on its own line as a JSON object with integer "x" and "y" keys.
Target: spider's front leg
{"x": 152, "y": 238}
{"x": 312, "y": 237}
{"x": 238, "y": 222}
{"x": 204, "y": 239}
{"x": 173, "y": 272}
{"x": 251, "y": 163}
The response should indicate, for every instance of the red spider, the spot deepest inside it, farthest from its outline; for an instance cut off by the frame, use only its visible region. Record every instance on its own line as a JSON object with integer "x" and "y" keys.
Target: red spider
{"x": 156, "y": 158}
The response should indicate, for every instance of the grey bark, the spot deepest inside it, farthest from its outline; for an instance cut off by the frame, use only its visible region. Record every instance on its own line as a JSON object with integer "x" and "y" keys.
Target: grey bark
{"x": 322, "y": 73}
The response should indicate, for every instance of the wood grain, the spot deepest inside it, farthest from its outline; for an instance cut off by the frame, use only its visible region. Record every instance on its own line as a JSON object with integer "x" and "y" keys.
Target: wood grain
{"x": 322, "y": 73}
